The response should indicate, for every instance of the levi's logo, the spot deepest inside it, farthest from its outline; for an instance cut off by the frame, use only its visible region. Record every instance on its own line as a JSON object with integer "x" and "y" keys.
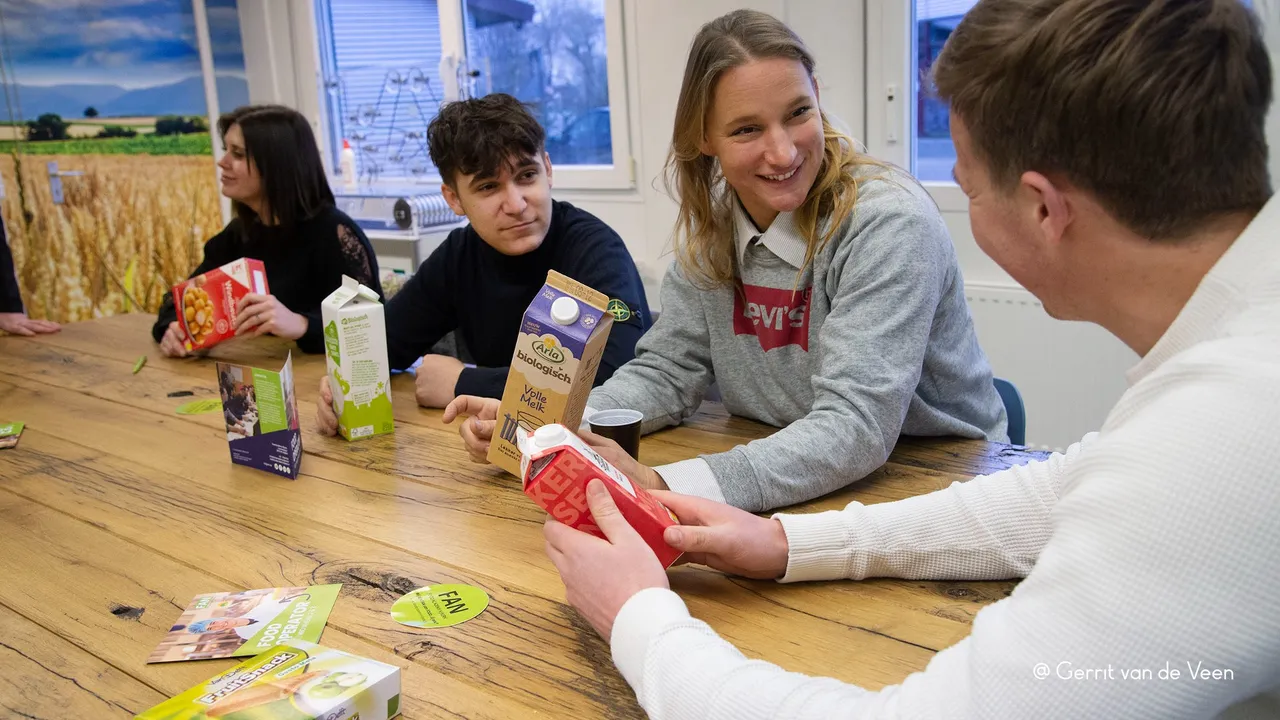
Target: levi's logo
{"x": 776, "y": 316}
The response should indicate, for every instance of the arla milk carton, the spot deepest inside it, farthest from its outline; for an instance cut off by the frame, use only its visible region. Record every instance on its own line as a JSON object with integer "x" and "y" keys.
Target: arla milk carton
{"x": 355, "y": 343}
{"x": 562, "y": 337}
{"x": 206, "y": 303}
{"x": 556, "y": 466}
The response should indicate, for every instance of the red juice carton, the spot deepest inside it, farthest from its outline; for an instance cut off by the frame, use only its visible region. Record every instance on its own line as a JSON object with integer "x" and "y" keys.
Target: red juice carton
{"x": 556, "y": 467}
{"x": 206, "y": 303}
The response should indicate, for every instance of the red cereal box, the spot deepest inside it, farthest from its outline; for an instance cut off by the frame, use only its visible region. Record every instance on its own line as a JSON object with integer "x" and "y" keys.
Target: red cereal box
{"x": 206, "y": 303}
{"x": 556, "y": 467}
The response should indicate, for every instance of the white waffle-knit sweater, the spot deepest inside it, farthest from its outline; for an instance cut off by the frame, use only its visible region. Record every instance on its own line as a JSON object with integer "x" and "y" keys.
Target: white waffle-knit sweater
{"x": 1153, "y": 543}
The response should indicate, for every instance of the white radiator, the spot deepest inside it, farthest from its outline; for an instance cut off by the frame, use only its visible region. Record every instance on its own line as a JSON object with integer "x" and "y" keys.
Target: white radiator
{"x": 1069, "y": 373}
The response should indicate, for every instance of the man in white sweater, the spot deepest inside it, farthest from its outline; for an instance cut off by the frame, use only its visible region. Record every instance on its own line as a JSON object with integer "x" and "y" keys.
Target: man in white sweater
{"x": 1114, "y": 155}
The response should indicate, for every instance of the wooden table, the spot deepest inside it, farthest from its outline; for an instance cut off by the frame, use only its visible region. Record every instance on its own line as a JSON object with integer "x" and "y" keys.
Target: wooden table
{"x": 115, "y": 511}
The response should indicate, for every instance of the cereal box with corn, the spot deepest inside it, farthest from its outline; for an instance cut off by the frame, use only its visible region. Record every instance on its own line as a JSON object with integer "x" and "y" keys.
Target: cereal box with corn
{"x": 296, "y": 680}
{"x": 206, "y": 303}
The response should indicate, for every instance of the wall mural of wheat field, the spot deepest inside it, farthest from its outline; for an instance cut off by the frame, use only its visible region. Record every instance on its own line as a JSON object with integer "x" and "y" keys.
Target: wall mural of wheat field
{"x": 113, "y": 94}
{"x": 127, "y": 229}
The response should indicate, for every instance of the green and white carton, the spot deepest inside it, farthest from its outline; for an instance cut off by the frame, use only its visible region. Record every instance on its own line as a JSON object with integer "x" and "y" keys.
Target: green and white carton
{"x": 297, "y": 680}
{"x": 355, "y": 340}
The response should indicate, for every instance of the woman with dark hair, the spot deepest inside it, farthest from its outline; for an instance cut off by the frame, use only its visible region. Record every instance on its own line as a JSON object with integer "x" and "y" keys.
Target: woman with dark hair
{"x": 285, "y": 217}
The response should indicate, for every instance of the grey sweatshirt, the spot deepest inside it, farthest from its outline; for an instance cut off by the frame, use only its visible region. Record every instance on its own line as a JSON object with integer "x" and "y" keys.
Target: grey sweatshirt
{"x": 876, "y": 342}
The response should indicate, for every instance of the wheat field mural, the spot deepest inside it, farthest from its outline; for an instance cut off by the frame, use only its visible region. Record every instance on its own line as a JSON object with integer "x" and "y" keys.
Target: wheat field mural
{"x": 128, "y": 228}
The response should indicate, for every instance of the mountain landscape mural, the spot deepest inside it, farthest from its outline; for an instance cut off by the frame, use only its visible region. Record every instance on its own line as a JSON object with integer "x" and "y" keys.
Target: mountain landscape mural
{"x": 184, "y": 97}
{"x": 107, "y": 201}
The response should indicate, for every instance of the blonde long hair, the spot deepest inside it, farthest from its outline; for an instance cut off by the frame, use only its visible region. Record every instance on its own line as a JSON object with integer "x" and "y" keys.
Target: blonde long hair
{"x": 704, "y": 227}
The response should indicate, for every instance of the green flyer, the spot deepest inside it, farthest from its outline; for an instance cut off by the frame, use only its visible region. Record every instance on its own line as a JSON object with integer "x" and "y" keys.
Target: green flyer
{"x": 219, "y": 625}
{"x": 199, "y": 407}
{"x": 437, "y": 606}
{"x": 9, "y": 434}
{"x": 294, "y": 680}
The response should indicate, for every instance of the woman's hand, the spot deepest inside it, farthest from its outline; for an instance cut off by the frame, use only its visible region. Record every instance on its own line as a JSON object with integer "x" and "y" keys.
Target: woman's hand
{"x": 19, "y": 324}
{"x": 261, "y": 314}
{"x": 173, "y": 344}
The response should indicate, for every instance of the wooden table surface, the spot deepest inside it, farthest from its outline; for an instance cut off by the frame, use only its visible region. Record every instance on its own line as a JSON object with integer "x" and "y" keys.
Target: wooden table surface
{"x": 115, "y": 511}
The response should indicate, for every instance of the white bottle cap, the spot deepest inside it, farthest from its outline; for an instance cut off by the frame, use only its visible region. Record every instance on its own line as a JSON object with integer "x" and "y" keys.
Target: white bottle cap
{"x": 549, "y": 435}
{"x": 565, "y": 310}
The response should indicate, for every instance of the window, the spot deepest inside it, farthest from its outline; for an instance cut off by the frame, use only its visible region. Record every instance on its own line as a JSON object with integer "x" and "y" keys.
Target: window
{"x": 387, "y": 66}
{"x": 381, "y": 85}
{"x": 932, "y": 154}
{"x": 551, "y": 55}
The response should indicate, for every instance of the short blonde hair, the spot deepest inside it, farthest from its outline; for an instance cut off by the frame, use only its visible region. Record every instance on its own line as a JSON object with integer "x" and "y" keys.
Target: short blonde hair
{"x": 1156, "y": 107}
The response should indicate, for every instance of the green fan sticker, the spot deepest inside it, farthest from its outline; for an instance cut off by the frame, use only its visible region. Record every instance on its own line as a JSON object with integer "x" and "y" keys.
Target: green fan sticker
{"x": 437, "y": 606}
{"x": 199, "y": 407}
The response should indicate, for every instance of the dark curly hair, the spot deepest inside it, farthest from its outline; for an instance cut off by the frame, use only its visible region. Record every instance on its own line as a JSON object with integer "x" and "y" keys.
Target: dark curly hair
{"x": 481, "y": 136}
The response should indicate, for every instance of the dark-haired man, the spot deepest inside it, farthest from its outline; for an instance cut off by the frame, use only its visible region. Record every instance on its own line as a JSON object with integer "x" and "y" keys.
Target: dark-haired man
{"x": 478, "y": 283}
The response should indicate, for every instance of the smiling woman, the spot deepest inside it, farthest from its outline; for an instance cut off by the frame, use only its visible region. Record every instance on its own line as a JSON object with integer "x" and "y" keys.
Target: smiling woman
{"x": 816, "y": 286}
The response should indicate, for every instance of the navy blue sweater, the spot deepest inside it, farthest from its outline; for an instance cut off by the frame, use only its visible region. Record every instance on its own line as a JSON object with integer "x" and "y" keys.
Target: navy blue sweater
{"x": 480, "y": 294}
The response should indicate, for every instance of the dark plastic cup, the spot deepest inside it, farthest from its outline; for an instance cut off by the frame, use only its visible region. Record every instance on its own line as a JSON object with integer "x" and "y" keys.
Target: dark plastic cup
{"x": 620, "y": 426}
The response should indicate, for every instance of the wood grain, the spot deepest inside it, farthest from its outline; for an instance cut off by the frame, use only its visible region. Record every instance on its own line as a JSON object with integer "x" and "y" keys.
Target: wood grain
{"x": 79, "y": 573}
{"x": 270, "y": 512}
{"x": 75, "y": 683}
{"x": 112, "y": 501}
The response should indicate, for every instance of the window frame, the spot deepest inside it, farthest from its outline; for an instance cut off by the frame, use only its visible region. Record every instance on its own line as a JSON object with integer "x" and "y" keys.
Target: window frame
{"x": 891, "y": 95}
{"x": 591, "y": 178}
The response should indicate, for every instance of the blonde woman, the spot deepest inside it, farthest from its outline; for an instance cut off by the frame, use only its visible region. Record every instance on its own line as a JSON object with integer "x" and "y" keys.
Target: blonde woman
{"x": 816, "y": 287}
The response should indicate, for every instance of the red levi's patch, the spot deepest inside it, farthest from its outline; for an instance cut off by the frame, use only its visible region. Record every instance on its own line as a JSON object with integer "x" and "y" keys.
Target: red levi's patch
{"x": 777, "y": 317}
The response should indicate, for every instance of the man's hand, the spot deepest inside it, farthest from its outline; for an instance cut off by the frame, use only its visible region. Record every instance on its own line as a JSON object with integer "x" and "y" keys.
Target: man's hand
{"x": 436, "y": 379}
{"x": 640, "y": 474}
{"x": 20, "y": 324}
{"x": 326, "y": 418}
{"x": 725, "y": 538}
{"x": 261, "y": 314}
{"x": 600, "y": 576}
{"x": 477, "y": 430}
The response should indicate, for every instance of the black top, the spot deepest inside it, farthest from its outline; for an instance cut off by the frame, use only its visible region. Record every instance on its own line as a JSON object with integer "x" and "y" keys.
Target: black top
{"x": 10, "y": 296}
{"x": 304, "y": 264}
{"x": 468, "y": 287}
{"x": 236, "y": 407}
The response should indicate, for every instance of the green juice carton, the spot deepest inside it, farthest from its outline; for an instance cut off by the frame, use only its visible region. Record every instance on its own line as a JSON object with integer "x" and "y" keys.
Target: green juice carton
{"x": 296, "y": 680}
{"x": 355, "y": 341}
